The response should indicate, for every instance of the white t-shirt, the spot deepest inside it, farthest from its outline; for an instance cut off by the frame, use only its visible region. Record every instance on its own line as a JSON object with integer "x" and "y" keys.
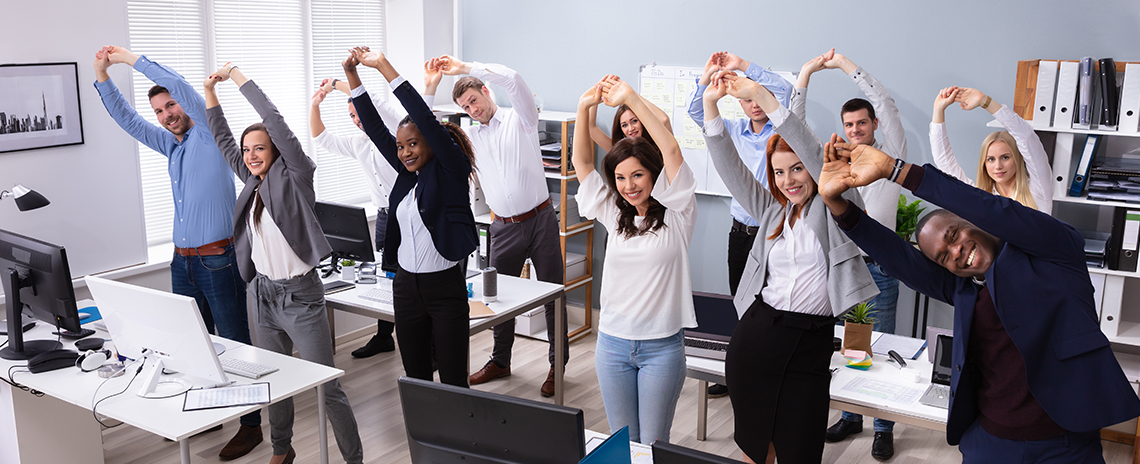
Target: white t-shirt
{"x": 647, "y": 292}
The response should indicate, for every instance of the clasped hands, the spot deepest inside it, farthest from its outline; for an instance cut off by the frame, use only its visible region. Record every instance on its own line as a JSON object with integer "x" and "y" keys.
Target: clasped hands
{"x": 848, "y": 165}
{"x": 611, "y": 90}
{"x": 965, "y": 97}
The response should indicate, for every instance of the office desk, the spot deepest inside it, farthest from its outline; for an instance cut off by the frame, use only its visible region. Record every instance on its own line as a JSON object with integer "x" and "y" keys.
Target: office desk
{"x": 59, "y": 427}
{"x": 516, "y": 296}
{"x": 711, "y": 370}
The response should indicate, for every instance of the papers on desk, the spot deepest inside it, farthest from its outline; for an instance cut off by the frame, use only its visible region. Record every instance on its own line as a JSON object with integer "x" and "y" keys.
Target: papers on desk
{"x": 883, "y": 390}
{"x": 479, "y": 310}
{"x": 908, "y": 347}
{"x": 224, "y": 397}
{"x": 638, "y": 453}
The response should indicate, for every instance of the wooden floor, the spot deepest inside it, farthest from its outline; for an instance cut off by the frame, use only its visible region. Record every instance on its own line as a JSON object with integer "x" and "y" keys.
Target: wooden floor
{"x": 371, "y": 387}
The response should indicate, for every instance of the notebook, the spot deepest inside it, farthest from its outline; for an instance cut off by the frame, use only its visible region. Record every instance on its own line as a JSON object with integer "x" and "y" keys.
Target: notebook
{"x": 716, "y": 319}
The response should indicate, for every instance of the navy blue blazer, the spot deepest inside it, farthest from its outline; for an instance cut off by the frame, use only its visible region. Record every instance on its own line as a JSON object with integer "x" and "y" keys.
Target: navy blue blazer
{"x": 1042, "y": 292}
{"x": 441, "y": 186}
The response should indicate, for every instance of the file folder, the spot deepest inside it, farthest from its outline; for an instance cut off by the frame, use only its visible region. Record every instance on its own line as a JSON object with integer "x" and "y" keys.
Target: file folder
{"x": 1046, "y": 91}
{"x": 1128, "y": 241}
{"x": 615, "y": 450}
{"x": 1110, "y": 99}
{"x": 1130, "y": 99}
{"x": 1085, "y": 94}
{"x": 1080, "y": 177}
{"x": 1063, "y": 106}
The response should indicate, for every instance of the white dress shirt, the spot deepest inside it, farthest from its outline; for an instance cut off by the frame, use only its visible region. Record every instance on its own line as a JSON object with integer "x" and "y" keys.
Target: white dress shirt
{"x": 507, "y": 157}
{"x": 270, "y": 250}
{"x": 417, "y": 251}
{"x": 797, "y": 272}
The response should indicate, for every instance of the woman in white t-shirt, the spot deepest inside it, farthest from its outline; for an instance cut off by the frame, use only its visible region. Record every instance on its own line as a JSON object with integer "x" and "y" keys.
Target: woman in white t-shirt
{"x": 645, "y": 197}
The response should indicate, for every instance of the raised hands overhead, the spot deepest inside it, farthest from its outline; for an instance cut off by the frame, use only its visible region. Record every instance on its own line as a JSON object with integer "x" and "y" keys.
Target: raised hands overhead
{"x": 969, "y": 99}
{"x": 433, "y": 74}
{"x": 592, "y": 97}
{"x": 452, "y": 66}
{"x": 350, "y": 63}
{"x": 117, "y": 54}
{"x": 945, "y": 98}
{"x": 616, "y": 92}
{"x": 102, "y": 60}
{"x": 222, "y": 74}
{"x": 368, "y": 57}
{"x": 322, "y": 92}
{"x": 730, "y": 62}
{"x": 868, "y": 164}
{"x": 712, "y": 66}
{"x": 835, "y": 177}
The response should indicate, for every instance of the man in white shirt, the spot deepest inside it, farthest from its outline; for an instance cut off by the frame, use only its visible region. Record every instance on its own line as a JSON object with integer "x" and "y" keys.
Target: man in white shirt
{"x": 861, "y": 118}
{"x": 380, "y": 174}
{"x": 509, "y": 166}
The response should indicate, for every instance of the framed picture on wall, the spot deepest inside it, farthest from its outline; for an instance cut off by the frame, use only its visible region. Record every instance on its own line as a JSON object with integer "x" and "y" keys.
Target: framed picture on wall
{"x": 39, "y": 106}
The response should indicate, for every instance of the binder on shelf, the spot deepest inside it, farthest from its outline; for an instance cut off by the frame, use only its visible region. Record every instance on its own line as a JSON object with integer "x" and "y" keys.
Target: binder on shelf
{"x": 1112, "y": 253}
{"x": 1109, "y": 98}
{"x": 1025, "y": 88}
{"x": 1130, "y": 99}
{"x": 1130, "y": 235}
{"x": 1080, "y": 177}
{"x": 1085, "y": 94}
{"x": 1046, "y": 90}
{"x": 1066, "y": 94}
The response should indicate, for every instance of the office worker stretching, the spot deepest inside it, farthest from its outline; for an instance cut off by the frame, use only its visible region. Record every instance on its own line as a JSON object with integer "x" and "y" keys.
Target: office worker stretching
{"x": 432, "y": 228}
{"x": 800, "y": 276}
{"x": 279, "y": 243}
{"x": 626, "y": 124}
{"x": 647, "y": 202}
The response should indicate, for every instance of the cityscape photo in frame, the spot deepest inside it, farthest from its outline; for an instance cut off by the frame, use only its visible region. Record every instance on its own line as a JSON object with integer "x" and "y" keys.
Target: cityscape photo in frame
{"x": 39, "y": 106}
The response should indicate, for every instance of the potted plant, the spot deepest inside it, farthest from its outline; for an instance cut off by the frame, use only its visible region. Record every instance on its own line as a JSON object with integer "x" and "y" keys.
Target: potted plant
{"x": 857, "y": 326}
{"x": 907, "y": 217}
{"x": 348, "y": 270}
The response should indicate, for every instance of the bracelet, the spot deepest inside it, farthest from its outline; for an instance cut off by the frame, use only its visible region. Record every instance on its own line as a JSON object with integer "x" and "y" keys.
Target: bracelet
{"x": 898, "y": 169}
{"x": 335, "y": 80}
{"x": 986, "y": 105}
{"x": 230, "y": 68}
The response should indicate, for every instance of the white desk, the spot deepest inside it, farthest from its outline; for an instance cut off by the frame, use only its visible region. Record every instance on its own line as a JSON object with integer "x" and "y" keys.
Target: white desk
{"x": 59, "y": 427}
{"x": 915, "y": 413}
{"x": 516, "y": 296}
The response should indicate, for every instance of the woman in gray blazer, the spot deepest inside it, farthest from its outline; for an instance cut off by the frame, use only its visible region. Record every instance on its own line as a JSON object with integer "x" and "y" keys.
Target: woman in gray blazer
{"x": 798, "y": 280}
{"x": 279, "y": 243}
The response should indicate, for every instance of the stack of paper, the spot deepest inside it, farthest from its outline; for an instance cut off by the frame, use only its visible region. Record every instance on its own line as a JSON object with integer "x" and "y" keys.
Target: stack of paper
{"x": 857, "y": 359}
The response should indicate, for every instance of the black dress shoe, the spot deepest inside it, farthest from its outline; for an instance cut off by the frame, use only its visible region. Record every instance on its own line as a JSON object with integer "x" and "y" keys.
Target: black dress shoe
{"x": 378, "y": 344}
{"x": 842, "y": 429}
{"x": 884, "y": 446}
{"x": 717, "y": 390}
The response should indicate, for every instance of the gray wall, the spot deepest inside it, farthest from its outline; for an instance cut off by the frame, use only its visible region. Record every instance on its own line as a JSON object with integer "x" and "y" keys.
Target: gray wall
{"x": 914, "y": 48}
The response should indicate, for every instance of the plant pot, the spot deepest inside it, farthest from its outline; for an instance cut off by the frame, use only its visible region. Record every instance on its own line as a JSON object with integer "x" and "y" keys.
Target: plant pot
{"x": 857, "y": 336}
{"x": 348, "y": 273}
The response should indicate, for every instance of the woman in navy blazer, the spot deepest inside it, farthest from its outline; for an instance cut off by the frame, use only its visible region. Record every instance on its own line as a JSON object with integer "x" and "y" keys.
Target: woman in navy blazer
{"x": 431, "y": 229}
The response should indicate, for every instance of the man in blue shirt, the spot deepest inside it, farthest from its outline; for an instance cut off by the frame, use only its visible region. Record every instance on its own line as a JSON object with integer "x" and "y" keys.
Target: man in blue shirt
{"x": 750, "y": 135}
{"x": 204, "y": 265}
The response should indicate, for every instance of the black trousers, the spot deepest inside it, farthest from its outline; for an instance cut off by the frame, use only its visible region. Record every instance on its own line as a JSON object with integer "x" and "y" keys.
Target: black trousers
{"x": 778, "y": 380}
{"x": 739, "y": 245}
{"x": 431, "y": 309}
{"x": 383, "y": 328}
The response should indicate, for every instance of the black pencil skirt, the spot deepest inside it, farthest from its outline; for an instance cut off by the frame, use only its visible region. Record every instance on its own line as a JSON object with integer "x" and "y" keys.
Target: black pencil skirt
{"x": 777, "y": 373}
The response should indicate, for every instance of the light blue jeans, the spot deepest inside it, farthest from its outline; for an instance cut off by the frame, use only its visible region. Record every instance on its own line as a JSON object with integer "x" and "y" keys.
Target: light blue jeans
{"x": 886, "y": 307}
{"x": 641, "y": 381}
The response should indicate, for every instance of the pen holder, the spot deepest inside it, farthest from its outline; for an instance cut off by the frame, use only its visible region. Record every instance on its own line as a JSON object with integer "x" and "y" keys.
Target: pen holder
{"x": 490, "y": 285}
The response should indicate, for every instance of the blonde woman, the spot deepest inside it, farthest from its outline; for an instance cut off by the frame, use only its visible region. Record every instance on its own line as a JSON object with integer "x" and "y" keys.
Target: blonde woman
{"x": 1012, "y": 163}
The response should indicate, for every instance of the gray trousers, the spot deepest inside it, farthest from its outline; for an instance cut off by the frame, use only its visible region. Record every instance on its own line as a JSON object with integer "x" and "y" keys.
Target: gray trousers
{"x": 292, "y": 312}
{"x": 511, "y": 244}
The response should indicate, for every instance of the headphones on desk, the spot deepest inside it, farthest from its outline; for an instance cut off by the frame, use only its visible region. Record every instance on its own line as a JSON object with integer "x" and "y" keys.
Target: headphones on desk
{"x": 92, "y": 360}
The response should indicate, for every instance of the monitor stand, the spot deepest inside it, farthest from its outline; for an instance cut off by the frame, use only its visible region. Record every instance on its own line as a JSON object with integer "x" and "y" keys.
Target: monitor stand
{"x": 155, "y": 386}
{"x": 18, "y": 349}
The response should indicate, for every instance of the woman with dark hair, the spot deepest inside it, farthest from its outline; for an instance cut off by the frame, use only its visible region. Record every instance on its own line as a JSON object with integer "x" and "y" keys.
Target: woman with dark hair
{"x": 431, "y": 225}
{"x": 626, "y": 124}
{"x": 800, "y": 277}
{"x": 279, "y": 244}
{"x": 646, "y": 199}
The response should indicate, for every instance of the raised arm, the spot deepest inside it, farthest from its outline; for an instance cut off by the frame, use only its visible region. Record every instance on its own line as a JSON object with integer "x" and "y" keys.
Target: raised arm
{"x": 316, "y": 125}
{"x": 940, "y": 139}
{"x": 154, "y": 137}
{"x": 288, "y": 146}
{"x": 522, "y": 100}
{"x": 180, "y": 90}
{"x": 696, "y": 99}
{"x": 599, "y": 136}
{"x": 370, "y": 119}
{"x": 616, "y": 92}
{"x": 893, "y": 137}
{"x": 741, "y": 182}
{"x": 220, "y": 127}
{"x": 583, "y": 155}
{"x": 799, "y": 95}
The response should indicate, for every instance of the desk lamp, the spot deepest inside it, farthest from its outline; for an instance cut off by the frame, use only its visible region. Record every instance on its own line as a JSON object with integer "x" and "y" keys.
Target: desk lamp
{"x": 26, "y": 199}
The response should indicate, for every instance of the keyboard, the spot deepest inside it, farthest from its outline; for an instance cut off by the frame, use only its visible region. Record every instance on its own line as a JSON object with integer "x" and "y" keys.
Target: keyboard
{"x": 706, "y": 344}
{"x": 74, "y": 335}
{"x": 245, "y": 369}
{"x": 379, "y": 295}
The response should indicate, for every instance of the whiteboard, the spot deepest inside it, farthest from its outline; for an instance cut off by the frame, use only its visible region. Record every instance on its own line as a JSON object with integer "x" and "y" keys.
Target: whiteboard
{"x": 669, "y": 87}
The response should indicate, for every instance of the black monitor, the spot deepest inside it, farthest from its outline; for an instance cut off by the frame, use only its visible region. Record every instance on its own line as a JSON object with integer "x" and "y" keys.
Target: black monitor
{"x": 665, "y": 453}
{"x": 346, "y": 229}
{"x": 36, "y": 277}
{"x": 449, "y": 424}
{"x": 716, "y": 316}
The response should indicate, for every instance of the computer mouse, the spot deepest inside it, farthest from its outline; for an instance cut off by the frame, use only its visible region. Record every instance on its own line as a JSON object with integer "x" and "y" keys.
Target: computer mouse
{"x": 83, "y": 316}
{"x": 94, "y": 343}
{"x": 52, "y": 360}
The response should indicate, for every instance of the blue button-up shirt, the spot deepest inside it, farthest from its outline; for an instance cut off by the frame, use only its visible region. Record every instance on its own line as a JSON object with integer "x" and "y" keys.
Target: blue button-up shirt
{"x": 200, "y": 179}
{"x": 751, "y": 145}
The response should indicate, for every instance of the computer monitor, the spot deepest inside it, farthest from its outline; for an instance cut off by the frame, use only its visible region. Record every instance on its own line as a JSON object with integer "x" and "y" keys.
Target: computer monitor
{"x": 666, "y": 453}
{"x": 36, "y": 277}
{"x": 346, "y": 229}
{"x": 162, "y": 327}
{"x": 446, "y": 423}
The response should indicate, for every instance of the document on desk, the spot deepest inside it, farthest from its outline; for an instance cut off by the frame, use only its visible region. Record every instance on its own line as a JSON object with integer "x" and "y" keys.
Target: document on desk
{"x": 883, "y": 390}
{"x": 224, "y": 397}
{"x": 638, "y": 453}
{"x": 908, "y": 347}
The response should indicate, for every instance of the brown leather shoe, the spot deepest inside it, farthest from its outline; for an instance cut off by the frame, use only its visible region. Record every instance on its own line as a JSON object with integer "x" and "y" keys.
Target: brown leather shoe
{"x": 288, "y": 457}
{"x": 547, "y": 389}
{"x": 242, "y": 443}
{"x": 489, "y": 372}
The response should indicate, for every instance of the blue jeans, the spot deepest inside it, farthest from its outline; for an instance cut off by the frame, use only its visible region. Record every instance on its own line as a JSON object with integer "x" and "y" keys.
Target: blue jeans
{"x": 216, "y": 285}
{"x": 640, "y": 382}
{"x": 886, "y": 307}
{"x": 979, "y": 447}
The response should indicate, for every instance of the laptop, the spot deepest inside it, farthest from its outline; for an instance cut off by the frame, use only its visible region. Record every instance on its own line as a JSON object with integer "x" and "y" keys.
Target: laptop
{"x": 666, "y": 453}
{"x": 938, "y": 395}
{"x": 716, "y": 319}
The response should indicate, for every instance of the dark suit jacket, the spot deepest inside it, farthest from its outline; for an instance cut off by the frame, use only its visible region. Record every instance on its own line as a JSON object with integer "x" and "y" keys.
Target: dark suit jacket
{"x": 1041, "y": 289}
{"x": 287, "y": 190}
{"x": 441, "y": 185}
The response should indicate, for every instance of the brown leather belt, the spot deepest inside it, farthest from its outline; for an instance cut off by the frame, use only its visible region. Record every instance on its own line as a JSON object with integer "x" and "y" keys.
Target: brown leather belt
{"x": 527, "y": 215}
{"x": 209, "y": 249}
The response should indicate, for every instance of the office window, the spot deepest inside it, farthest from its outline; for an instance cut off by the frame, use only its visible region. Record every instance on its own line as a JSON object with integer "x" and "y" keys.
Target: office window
{"x": 285, "y": 46}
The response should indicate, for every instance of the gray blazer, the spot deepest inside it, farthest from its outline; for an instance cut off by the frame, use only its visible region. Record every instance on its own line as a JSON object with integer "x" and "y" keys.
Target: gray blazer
{"x": 848, "y": 281}
{"x": 287, "y": 190}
